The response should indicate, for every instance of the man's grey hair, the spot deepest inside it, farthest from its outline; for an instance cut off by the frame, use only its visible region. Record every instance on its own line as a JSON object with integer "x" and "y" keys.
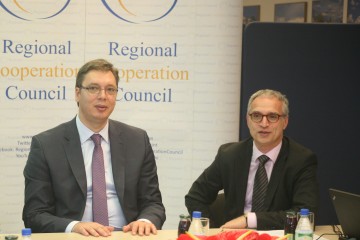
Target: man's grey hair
{"x": 271, "y": 93}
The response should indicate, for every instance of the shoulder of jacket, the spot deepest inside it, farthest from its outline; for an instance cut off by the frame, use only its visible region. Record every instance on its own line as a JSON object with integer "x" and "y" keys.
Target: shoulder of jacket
{"x": 235, "y": 146}
{"x": 123, "y": 127}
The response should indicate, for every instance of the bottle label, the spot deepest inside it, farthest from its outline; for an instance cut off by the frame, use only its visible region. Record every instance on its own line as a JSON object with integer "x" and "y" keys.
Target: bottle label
{"x": 304, "y": 236}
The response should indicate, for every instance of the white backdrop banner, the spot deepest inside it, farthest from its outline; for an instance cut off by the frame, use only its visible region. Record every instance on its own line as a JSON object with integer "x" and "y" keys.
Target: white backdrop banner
{"x": 179, "y": 65}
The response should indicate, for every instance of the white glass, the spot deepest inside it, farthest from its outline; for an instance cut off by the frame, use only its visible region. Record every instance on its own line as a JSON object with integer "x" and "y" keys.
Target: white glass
{"x": 205, "y": 226}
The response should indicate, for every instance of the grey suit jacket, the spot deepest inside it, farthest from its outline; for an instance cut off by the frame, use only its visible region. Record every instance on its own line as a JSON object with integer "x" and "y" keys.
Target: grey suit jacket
{"x": 293, "y": 183}
{"x": 55, "y": 178}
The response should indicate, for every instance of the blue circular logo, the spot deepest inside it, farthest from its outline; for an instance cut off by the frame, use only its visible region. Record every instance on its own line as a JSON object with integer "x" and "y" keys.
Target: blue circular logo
{"x": 139, "y": 11}
{"x": 34, "y": 10}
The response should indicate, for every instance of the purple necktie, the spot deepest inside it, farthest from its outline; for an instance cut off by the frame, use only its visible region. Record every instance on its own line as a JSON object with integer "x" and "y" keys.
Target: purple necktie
{"x": 260, "y": 185}
{"x": 99, "y": 202}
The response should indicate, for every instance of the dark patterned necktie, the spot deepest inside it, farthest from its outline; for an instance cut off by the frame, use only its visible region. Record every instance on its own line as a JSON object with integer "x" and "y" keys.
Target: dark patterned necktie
{"x": 99, "y": 201}
{"x": 260, "y": 185}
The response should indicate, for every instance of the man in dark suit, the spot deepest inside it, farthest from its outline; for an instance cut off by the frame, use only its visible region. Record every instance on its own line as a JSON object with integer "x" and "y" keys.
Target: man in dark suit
{"x": 290, "y": 171}
{"x": 59, "y": 193}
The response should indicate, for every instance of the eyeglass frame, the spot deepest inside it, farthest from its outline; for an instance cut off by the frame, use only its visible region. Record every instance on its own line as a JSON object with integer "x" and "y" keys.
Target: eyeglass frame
{"x": 88, "y": 88}
{"x": 267, "y": 117}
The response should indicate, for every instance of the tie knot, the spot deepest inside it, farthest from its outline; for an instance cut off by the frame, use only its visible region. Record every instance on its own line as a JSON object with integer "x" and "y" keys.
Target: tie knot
{"x": 263, "y": 159}
{"x": 96, "y": 139}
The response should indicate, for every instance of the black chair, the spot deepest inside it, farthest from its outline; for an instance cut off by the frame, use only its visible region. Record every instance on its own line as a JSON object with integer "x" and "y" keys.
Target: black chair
{"x": 217, "y": 218}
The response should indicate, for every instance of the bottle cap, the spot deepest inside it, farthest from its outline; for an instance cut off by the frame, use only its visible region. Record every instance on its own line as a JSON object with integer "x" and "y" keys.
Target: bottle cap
{"x": 196, "y": 214}
{"x": 26, "y": 231}
{"x": 304, "y": 211}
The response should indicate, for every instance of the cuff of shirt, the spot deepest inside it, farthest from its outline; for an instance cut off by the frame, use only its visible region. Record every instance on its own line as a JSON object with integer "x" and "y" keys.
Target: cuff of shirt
{"x": 144, "y": 220}
{"x": 251, "y": 220}
{"x": 70, "y": 226}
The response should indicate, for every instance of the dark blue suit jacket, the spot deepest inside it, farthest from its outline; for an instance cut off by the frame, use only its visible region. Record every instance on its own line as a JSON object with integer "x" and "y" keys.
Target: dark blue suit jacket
{"x": 55, "y": 178}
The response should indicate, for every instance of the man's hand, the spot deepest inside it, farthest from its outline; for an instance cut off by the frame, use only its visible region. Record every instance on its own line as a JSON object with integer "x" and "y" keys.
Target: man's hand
{"x": 239, "y": 223}
{"x": 141, "y": 228}
{"x": 92, "y": 229}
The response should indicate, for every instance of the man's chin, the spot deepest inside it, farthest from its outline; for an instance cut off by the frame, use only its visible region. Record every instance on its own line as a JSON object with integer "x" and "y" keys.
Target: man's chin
{"x": 101, "y": 118}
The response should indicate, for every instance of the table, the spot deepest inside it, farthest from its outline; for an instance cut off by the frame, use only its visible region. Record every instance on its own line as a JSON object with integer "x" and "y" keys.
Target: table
{"x": 162, "y": 235}
{"x": 327, "y": 229}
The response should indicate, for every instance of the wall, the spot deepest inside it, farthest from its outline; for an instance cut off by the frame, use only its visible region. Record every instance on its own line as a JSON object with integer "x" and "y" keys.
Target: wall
{"x": 316, "y": 66}
{"x": 267, "y": 8}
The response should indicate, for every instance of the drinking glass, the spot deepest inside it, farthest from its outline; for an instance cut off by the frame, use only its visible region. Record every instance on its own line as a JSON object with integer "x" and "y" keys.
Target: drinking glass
{"x": 205, "y": 226}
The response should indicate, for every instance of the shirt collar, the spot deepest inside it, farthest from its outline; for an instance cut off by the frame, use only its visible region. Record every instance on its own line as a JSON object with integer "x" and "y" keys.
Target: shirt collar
{"x": 85, "y": 133}
{"x": 272, "y": 154}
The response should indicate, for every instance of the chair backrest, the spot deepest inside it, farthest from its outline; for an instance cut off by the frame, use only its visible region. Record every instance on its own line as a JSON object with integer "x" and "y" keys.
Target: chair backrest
{"x": 217, "y": 218}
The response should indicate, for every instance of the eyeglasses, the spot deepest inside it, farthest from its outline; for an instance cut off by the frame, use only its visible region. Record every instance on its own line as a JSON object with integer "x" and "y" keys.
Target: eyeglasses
{"x": 97, "y": 89}
{"x": 271, "y": 117}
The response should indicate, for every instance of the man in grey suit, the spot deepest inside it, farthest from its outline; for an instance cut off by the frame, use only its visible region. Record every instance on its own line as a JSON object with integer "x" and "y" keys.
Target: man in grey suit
{"x": 58, "y": 173}
{"x": 290, "y": 171}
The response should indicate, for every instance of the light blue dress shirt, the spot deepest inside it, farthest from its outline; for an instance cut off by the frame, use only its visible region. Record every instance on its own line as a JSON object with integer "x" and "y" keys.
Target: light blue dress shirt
{"x": 115, "y": 212}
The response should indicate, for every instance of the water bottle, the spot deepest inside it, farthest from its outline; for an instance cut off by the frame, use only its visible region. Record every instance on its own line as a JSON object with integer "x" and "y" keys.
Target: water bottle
{"x": 195, "y": 226}
{"x": 304, "y": 230}
{"x": 26, "y": 233}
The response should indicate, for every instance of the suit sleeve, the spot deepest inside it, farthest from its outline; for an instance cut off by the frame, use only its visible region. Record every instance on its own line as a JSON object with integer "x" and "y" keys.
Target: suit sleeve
{"x": 205, "y": 188}
{"x": 39, "y": 208}
{"x": 149, "y": 196}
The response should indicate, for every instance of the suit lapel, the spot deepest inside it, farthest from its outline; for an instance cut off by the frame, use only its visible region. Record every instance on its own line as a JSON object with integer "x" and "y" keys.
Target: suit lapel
{"x": 277, "y": 174}
{"x": 74, "y": 155}
{"x": 243, "y": 161}
{"x": 118, "y": 153}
